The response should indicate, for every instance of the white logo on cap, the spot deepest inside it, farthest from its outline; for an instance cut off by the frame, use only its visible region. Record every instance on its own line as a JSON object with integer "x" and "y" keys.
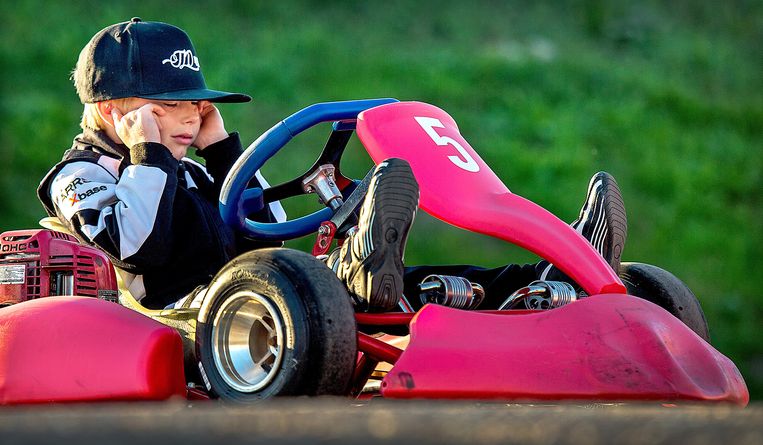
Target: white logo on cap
{"x": 183, "y": 58}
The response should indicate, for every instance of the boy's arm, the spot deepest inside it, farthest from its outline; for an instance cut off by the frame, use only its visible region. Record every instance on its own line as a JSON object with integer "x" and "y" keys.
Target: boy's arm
{"x": 129, "y": 215}
{"x": 219, "y": 158}
{"x": 219, "y": 148}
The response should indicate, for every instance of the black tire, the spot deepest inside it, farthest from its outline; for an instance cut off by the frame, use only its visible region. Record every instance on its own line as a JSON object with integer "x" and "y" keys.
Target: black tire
{"x": 278, "y": 288}
{"x": 662, "y": 288}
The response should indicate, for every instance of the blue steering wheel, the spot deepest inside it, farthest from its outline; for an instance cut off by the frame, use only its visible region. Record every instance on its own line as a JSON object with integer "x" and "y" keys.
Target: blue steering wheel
{"x": 237, "y": 201}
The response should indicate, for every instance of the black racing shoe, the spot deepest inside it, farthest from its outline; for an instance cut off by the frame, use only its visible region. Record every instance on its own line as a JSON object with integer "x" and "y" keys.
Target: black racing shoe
{"x": 370, "y": 262}
{"x": 602, "y": 222}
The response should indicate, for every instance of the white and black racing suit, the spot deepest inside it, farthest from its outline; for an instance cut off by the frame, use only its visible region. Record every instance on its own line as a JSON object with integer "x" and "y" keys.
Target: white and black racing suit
{"x": 155, "y": 217}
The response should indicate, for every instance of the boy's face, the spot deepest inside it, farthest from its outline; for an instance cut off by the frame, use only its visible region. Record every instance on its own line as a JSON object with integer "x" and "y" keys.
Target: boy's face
{"x": 178, "y": 127}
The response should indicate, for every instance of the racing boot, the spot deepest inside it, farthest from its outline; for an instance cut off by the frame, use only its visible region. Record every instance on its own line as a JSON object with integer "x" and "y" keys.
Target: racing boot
{"x": 370, "y": 262}
{"x": 602, "y": 222}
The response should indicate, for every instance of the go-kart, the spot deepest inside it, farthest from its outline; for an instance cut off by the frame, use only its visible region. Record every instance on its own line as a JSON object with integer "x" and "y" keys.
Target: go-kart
{"x": 277, "y": 321}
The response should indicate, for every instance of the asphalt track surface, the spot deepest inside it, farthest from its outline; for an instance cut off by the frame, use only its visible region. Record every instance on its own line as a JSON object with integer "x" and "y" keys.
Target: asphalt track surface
{"x": 330, "y": 421}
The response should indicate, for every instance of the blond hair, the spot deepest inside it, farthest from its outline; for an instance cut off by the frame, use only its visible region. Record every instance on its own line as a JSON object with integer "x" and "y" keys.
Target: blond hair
{"x": 91, "y": 120}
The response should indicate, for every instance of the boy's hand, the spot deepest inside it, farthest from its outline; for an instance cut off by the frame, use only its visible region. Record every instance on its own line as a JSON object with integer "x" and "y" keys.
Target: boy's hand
{"x": 138, "y": 125}
{"x": 212, "y": 126}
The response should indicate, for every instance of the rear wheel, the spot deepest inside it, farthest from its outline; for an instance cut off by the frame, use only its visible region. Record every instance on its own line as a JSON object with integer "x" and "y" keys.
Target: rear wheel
{"x": 276, "y": 322}
{"x": 662, "y": 288}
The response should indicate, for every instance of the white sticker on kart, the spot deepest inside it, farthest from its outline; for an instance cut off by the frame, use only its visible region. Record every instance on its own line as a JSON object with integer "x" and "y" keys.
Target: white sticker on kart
{"x": 429, "y": 124}
{"x": 204, "y": 376}
{"x": 12, "y": 274}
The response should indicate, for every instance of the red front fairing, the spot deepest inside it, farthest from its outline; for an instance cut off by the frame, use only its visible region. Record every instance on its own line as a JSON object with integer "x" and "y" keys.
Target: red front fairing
{"x": 64, "y": 349}
{"x": 605, "y": 347}
{"x": 459, "y": 188}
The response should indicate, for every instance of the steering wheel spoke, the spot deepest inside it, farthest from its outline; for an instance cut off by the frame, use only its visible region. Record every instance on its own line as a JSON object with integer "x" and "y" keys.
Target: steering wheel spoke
{"x": 236, "y": 200}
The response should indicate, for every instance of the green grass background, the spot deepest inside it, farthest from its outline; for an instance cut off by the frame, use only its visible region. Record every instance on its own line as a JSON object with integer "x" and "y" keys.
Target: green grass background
{"x": 667, "y": 96}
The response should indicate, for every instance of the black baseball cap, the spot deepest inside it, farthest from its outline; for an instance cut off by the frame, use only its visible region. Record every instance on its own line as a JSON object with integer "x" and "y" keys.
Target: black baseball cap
{"x": 152, "y": 60}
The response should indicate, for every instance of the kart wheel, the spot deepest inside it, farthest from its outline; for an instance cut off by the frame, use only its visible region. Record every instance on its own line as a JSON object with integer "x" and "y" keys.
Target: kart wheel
{"x": 276, "y": 322}
{"x": 665, "y": 290}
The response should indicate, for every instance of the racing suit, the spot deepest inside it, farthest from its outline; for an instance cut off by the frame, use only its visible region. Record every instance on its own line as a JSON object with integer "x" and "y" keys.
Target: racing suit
{"x": 154, "y": 216}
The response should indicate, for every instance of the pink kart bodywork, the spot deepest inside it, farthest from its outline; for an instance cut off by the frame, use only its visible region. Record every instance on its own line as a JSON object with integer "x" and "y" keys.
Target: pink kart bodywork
{"x": 609, "y": 346}
{"x": 82, "y": 349}
{"x": 605, "y": 347}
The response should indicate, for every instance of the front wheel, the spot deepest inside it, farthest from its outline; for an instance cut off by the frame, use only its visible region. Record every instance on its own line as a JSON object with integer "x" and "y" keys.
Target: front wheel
{"x": 664, "y": 289}
{"x": 276, "y": 322}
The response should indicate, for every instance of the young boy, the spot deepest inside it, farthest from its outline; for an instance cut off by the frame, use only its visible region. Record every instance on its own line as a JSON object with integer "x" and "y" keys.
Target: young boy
{"x": 127, "y": 188}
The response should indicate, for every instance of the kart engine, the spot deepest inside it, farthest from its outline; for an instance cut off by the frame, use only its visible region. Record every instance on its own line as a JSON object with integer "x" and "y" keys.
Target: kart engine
{"x": 42, "y": 263}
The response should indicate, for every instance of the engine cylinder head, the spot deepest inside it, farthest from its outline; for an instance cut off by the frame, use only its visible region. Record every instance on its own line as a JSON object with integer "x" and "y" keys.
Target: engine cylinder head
{"x": 452, "y": 291}
{"x": 542, "y": 295}
{"x": 558, "y": 293}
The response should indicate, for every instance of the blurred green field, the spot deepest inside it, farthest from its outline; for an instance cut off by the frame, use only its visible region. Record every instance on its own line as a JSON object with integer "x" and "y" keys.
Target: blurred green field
{"x": 667, "y": 96}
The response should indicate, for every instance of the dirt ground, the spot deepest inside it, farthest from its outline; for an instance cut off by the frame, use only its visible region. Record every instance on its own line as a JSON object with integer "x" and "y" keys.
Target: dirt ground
{"x": 322, "y": 421}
